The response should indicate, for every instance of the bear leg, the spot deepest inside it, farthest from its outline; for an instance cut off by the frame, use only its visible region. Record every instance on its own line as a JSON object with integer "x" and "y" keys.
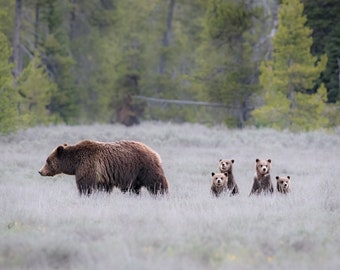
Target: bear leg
{"x": 158, "y": 188}
{"x": 234, "y": 190}
{"x": 136, "y": 189}
{"x": 84, "y": 186}
{"x": 107, "y": 187}
{"x": 154, "y": 182}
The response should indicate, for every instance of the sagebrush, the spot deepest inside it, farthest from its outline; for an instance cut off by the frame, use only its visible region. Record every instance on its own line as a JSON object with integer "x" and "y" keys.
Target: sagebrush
{"x": 45, "y": 224}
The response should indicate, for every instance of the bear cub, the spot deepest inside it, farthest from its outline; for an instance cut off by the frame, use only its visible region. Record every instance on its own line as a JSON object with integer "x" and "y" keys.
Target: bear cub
{"x": 262, "y": 181}
{"x": 219, "y": 183}
{"x": 226, "y": 166}
{"x": 283, "y": 184}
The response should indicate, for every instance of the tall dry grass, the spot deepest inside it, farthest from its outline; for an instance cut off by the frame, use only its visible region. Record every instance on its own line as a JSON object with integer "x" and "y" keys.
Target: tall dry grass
{"x": 44, "y": 224}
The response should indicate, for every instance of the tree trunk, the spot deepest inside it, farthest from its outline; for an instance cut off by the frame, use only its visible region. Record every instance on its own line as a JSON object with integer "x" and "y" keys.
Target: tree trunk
{"x": 36, "y": 26}
{"x": 291, "y": 94}
{"x": 338, "y": 59}
{"x": 72, "y": 20}
{"x": 166, "y": 39}
{"x": 16, "y": 39}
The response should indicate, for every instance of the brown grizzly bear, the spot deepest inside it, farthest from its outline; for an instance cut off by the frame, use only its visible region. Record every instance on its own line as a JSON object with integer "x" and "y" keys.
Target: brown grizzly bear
{"x": 283, "y": 184}
{"x": 219, "y": 183}
{"x": 262, "y": 181}
{"x": 226, "y": 166}
{"x": 127, "y": 165}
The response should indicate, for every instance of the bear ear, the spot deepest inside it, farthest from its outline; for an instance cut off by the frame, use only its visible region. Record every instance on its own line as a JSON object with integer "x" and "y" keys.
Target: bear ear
{"x": 64, "y": 144}
{"x": 60, "y": 150}
{"x": 277, "y": 177}
{"x": 269, "y": 160}
{"x": 257, "y": 160}
{"x": 232, "y": 161}
{"x": 226, "y": 174}
{"x": 288, "y": 177}
{"x": 212, "y": 174}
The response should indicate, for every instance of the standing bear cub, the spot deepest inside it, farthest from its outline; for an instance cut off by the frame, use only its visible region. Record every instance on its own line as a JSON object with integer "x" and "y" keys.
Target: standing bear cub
{"x": 127, "y": 165}
{"x": 262, "y": 181}
{"x": 226, "y": 166}
{"x": 219, "y": 183}
{"x": 283, "y": 184}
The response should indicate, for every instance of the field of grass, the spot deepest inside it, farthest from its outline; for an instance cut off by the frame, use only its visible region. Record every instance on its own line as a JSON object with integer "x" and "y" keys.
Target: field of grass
{"x": 44, "y": 224}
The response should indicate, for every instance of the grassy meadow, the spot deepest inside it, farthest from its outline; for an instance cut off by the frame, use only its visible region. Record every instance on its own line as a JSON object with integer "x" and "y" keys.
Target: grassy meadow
{"x": 44, "y": 224}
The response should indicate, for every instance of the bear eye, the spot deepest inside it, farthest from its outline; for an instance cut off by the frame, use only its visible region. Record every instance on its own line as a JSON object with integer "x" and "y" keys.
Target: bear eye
{"x": 48, "y": 161}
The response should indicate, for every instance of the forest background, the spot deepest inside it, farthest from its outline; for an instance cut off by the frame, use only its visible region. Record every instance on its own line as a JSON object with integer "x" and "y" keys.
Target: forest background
{"x": 265, "y": 63}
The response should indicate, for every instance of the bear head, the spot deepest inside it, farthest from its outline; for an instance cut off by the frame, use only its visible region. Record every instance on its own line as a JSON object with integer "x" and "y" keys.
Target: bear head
{"x": 219, "y": 179}
{"x": 283, "y": 184}
{"x": 225, "y": 165}
{"x": 53, "y": 164}
{"x": 263, "y": 166}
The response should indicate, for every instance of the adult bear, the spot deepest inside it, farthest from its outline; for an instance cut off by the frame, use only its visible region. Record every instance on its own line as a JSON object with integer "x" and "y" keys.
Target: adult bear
{"x": 127, "y": 165}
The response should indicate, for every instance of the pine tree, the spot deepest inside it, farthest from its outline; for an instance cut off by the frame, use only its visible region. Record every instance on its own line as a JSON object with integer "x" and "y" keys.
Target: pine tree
{"x": 8, "y": 96}
{"x": 289, "y": 76}
{"x": 228, "y": 72}
{"x": 323, "y": 18}
{"x": 36, "y": 90}
{"x": 54, "y": 49}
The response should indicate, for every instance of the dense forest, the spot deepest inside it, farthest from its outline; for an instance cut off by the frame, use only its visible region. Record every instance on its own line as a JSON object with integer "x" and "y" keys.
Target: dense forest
{"x": 265, "y": 63}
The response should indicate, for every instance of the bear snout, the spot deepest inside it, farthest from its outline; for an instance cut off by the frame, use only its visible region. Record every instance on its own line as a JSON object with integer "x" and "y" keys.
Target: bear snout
{"x": 219, "y": 182}
{"x": 42, "y": 173}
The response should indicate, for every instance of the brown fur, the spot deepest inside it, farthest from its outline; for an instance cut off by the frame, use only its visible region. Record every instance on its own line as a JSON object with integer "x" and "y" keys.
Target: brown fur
{"x": 129, "y": 111}
{"x": 262, "y": 181}
{"x": 127, "y": 165}
{"x": 226, "y": 166}
{"x": 219, "y": 183}
{"x": 283, "y": 184}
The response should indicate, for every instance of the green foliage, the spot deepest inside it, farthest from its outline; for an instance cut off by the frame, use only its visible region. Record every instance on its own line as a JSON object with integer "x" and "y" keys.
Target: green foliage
{"x": 64, "y": 102}
{"x": 109, "y": 56}
{"x": 310, "y": 111}
{"x": 124, "y": 58}
{"x": 333, "y": 113}
{"x": 227, "y": 20}
{"x": 331, "y": 75}
{"x": 227, "y": 71}
{"x": 323, "y": 18}
{"x": 288, "y": 78}
{"x": 36, "y": 90}
{"x": 94, "y": 53}
{"x": 275, "y": 113}
{"x": 293, "y": 62}
{"x": 6, "y": 17}
{"x": 53, "y": 47}
{"x": 8, "y": 96}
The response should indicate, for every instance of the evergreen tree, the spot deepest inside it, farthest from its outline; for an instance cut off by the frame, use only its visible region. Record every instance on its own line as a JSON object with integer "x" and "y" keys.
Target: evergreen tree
{"x": 228, "y": 70}
{"x": 323, "y": 18}
{"x": 311, "y": 112}
{"x": 54, "y": 49}
{"x": 92, "y": 25}
{"x": 36, "y": 90}
{"x": 331, "y": 75}
{"x": 289, "y": 76}
{"x": 8, "y": 96}
{"x": 7, "y": 18}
